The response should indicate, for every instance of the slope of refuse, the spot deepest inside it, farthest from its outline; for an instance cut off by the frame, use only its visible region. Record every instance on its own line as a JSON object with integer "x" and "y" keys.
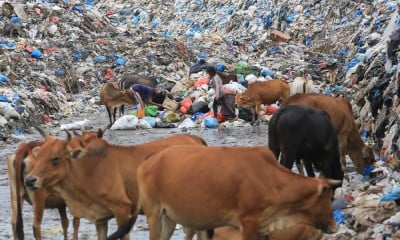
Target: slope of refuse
{"x": 56, "y": 54}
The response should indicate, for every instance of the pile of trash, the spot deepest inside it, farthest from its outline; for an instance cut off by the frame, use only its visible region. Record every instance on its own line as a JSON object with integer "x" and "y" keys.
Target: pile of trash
{"x": 57, "y": 54}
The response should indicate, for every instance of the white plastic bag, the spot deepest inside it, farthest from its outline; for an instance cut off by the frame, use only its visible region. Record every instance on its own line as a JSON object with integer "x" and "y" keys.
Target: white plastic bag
{"x": 125, "y": 122}
{"x": 7, "y": 110}
{"x": 187, "y": 123}
{"x": 85, "y": 124}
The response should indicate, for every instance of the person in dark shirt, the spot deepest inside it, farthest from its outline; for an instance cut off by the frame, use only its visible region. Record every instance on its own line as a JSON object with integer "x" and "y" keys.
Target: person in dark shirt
{"x": 144, "y": 94}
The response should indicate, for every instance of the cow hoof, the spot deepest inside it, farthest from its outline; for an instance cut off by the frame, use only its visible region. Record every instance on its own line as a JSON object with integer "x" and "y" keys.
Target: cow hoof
{"x": 255, "y": 123}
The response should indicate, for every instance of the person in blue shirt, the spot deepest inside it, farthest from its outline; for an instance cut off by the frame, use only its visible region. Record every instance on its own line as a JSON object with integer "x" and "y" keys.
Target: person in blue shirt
{"x": 144, "y": 94}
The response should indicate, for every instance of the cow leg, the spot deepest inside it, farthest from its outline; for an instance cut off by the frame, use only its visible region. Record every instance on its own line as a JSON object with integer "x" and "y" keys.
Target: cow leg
{"x": 288, "y": 159}
{"x": 76, "y": 223}
{"x": 309, "y": 168}
{"x": 300, "y": 166}
{"x": 38, "y": 203}
{"x": 167, "y": 227}
{"x": 121, "y": 110}
{"x": 64, "y": 221}
{"x": 189, "y": 233}
{"x": 13, "y": 195}
{"x": 101, "y": 229}
{"x": 154, "y": 221}
{"x": 109, "y": 116}
{"x": 342, "y": 151}
{"x": 249, "y": 228}
{"x": 114, "y": 114}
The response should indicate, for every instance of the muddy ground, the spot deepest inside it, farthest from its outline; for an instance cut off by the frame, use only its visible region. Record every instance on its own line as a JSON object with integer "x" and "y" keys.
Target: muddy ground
{"x": 51, "y": 227}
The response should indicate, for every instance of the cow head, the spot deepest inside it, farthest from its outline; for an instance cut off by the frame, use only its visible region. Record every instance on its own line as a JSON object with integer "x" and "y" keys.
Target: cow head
{"x": 51, "y": 163}
{"x": 315, "y": 208}
{"x": 243, "y": 100}
{"x": 368, "y": 155}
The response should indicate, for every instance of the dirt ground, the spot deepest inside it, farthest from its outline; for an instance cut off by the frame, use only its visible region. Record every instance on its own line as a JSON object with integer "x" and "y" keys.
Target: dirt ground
{"x": 51, "y": 227}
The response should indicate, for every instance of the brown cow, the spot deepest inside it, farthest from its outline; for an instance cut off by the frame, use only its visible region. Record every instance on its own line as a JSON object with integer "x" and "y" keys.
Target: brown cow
{"x": 40, "y": 199}
{"x": 243, "y": 187}
{"x": 298, "y": 232}
{"x": 112, "y": 97}
{"x": 266, "y": 92}
{"x": 341, "y": 114}
{"x": 98, "y": 181}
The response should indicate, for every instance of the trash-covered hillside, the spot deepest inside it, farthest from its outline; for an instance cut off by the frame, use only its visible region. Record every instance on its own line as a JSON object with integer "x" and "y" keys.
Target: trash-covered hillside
{"x": 55, "y": 55}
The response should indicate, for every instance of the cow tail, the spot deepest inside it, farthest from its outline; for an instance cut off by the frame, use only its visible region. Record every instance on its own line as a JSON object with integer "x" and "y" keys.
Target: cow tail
{"x": 124, "y": 229}
{"x": 19, "y": 156}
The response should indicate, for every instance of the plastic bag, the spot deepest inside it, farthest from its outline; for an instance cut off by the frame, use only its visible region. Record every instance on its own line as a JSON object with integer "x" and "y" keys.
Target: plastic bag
{"x": 394, "y": 195}
{"x": 77, "y": 125}
{"x": 126, "y": 122}
{"x": 151, "y": 111}
{"x": 187, "y": 123}
{"x": 210, "y": 122}
{"x": 7, "y": 110}
{"x": 151, "y": 121}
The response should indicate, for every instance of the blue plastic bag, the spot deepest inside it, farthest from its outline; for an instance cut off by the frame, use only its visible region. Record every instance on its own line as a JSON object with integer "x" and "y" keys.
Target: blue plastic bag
{"x": 4, "y": 99}
{"x": 100, "y": 59}
{"x": 267, "y": 72}
{"x": 339, "y": 216}
{"x": 394, "y": 195}
{"x": 3, "y": 78}
{"x": 210, "y": 122}
{"x": 36, "y": 53}
{"x": 120, "y": 61}
{"x": 15, "y": 20}
{"x": 59, "y": 72}
{"x": 151, "y": 121}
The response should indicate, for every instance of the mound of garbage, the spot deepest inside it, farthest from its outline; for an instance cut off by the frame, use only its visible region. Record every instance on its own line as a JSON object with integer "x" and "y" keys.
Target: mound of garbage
{"x": 55, "y": 55}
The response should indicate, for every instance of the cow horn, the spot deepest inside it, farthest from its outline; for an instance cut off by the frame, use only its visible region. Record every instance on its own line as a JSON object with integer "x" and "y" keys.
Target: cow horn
{"x": 334, "y": 183}
{"x": 76, "y": 133}
{"x": 68, "y": 139}
{"x": 44, "y": 134}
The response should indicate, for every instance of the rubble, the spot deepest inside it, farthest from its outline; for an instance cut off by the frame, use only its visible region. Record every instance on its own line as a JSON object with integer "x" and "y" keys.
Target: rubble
{"x": 56, "y": 54}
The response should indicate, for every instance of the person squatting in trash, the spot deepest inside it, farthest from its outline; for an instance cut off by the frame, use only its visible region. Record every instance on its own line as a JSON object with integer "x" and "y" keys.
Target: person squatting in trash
{"x": 144, "y": 95}
{"x": 222, "y": 98}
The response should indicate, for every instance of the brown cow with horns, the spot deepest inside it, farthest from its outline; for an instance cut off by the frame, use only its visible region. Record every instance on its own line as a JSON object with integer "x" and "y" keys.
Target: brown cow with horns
{"x": 97, "y": 181}
{"x": 243, "y": 187}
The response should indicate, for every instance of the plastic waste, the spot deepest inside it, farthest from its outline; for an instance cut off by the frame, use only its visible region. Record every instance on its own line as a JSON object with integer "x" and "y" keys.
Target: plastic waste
{"x": 394, "y": 195}
{"x": 210, "y": 122}
{"x": 187, "y": 123}
{"x": 120, "y": 61}
{"x": 151, "y": 121}
{"x": 36, "y": 53}
{"x": 100, "y": 59}
{"x": 3, "y": 78}
{"x": 85, "y": 124}
{"x": 339, "y": 216}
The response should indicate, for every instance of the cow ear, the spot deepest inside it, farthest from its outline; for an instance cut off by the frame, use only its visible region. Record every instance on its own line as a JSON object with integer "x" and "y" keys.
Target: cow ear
{"x": 322, "y": 188}
{"x": 35, "y": 151}
{"x": 100, "y": 132}
{"x": 77, "y": 154}
{"x": 328, "y": 184}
